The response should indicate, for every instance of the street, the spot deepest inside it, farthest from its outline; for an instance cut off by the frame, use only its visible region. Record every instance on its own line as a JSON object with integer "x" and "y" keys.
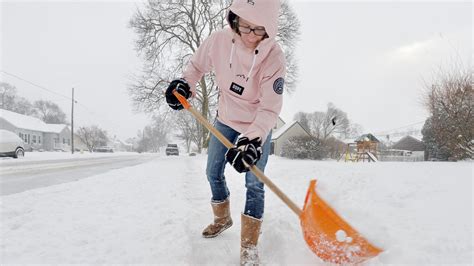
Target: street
{"x": 18, "y": 176}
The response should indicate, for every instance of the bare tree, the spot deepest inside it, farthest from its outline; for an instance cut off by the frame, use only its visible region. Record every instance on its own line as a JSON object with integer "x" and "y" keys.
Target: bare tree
{"x": 50, "y": 112}
{"x": 288, "y": 35}
{"x": 92, "y": 137}
{"x": 184, "y": 121}
{"x": 303, "y": 119}
{"x": 169, "y": 32}
{"x": 155, "y": 135}
{"x": 12, "y": 102}
{"x": 23, "y": 106}
{"x": 354, "y": 131}
{"x": 333, "y": 122}
{"x": 334, "y": 147}
{"x": 8, "y": 94}
{"x": 450, "y": 102}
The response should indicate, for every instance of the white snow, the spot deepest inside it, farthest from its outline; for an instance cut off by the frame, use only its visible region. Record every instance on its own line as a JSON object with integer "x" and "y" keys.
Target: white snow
{"x": 59, "y": 155}
{"x": 419, "y": 213}
{"x": 341, "y": 235}
{"x": 30, "y": 122}
{"x": 23, "y": 121}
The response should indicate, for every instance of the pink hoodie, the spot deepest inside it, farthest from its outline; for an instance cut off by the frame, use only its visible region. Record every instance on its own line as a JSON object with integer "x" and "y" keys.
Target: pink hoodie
{"x": 250, "y": 82}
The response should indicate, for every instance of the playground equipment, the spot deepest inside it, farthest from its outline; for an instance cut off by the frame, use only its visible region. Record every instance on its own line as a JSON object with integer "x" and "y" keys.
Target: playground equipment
{"x": 364, "y": 148}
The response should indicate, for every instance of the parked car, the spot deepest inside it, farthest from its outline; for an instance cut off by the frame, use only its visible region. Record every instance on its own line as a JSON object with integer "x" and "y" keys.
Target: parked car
{"x": 103, "y": 149}
{"x": 172, "y": 149}
{"x": 11, "y": 145}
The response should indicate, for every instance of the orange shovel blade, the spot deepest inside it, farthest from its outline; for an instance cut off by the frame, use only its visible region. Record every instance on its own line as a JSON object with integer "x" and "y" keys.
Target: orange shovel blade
{"x": 329, "y": 236}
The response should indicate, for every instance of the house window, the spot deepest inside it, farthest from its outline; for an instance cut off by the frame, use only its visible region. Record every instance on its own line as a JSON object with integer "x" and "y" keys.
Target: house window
{"x": 28, "y": 139}
{"x": 39, "y": 139}
{"x": 34, "y": 138}
{"x": 64, "y": 141}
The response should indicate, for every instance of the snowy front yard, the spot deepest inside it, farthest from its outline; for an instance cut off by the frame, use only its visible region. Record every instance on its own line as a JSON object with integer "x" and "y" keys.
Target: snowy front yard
{"x": 419, "y": 213}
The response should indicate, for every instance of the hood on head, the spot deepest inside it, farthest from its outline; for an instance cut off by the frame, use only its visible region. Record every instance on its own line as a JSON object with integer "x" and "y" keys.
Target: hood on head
{"x": 259, "y": 12}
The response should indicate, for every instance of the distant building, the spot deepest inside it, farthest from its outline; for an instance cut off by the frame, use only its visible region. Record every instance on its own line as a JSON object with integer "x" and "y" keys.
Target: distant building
{"x": 278, "y": 124}
{"x": 282, "y": 132}
{"x": 36, "y": 134}
{"x": 410, "y": 146}
{"x": 409, "y": 143}
{"x": 119, "y": 145}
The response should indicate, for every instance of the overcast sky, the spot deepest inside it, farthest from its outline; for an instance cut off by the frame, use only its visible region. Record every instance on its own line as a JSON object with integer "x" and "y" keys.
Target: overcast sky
{"x": 368, "y": 58}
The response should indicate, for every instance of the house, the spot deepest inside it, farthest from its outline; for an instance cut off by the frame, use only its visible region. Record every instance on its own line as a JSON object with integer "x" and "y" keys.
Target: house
{"x": 282, "y": 132}
{"x": 409, "y": 143}
{"x": 410, "y": 146}
{"x": 119, "y": 145}
{"x": 278, "y": 124}
{"x": 36, "y": 134}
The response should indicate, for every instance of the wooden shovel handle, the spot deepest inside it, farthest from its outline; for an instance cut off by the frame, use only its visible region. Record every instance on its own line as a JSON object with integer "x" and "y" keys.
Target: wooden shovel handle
{"x": 257, "y": 172}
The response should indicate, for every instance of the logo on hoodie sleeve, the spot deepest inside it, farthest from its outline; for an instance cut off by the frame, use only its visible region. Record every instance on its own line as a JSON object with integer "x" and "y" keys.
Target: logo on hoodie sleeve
{"x": 278, "y": 85}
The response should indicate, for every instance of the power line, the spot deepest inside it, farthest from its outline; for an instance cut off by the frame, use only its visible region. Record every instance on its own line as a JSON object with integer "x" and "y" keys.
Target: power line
{"x": 392, "y": 130}
{"x": 91, "y": 113}
{"x": 36, "y": 85}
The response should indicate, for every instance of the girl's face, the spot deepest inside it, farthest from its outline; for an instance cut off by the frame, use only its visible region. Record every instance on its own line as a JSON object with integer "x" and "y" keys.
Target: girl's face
{"x": 250, "y": 34}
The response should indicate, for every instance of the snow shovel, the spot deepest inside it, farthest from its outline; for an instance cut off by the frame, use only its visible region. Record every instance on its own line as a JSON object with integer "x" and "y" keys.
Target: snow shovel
{"x": 326, "y": 233}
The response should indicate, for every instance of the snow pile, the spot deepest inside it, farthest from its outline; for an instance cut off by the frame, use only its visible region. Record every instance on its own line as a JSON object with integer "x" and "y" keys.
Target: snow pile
{"x": 419, "y": 213}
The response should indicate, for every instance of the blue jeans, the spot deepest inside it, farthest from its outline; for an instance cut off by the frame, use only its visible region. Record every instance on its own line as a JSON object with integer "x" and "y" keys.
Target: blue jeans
{"x": 216, "y": 163}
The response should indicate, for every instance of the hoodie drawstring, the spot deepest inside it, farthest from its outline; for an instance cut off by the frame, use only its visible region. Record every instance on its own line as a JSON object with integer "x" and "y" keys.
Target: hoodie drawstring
{"x": 232, "y": 55}
{"x": 253, "y": 64}
{"x": 232, "y": 52}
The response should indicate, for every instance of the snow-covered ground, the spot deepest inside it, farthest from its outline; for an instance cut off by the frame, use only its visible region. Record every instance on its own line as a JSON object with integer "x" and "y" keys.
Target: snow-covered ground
{"x": 51, "y": 155}
{"x": 419, "y": 213}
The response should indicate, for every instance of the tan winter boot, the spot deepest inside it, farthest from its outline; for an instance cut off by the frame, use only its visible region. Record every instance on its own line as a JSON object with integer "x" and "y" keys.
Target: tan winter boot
{"x": 248, "y": 240}
{"x": 222, "y": 219}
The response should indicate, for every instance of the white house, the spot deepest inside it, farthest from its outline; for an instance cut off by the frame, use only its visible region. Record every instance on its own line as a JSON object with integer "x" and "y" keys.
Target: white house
{"x": 36, "y": 134}
{"x": 120, "y": 145}
{"x": 282, "y": 132}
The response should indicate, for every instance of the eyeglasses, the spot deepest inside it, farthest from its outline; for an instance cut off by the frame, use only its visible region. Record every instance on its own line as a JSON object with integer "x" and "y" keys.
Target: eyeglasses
{"x": 257, "y": 31}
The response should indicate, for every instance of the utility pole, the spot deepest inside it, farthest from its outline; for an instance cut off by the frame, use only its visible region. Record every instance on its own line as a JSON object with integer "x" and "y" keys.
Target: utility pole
{"x": 72, "y": 123}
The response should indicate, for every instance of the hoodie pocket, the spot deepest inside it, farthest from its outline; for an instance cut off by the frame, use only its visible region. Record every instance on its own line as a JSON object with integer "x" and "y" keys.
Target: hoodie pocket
{"x": 238, "y": 110}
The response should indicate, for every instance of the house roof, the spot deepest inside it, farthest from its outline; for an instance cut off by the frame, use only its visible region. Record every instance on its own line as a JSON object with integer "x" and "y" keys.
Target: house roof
{"x": 29, "y": 122}
{"x": 279, "y": 132}
{"x": 56, "y": 128}
{"x": 409, "y": 143}
{"x": 367, "y": 137}
{"x": 23, "y": 121}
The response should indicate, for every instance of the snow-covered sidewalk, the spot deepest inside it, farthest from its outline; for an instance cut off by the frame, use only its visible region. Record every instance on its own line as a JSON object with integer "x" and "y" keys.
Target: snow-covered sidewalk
{"x": 420, "y": 213}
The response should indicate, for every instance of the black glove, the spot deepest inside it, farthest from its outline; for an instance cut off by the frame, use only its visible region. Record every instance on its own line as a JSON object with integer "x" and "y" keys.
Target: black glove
{"x": 182, "y": 87}
{"x": 245, "y": 153}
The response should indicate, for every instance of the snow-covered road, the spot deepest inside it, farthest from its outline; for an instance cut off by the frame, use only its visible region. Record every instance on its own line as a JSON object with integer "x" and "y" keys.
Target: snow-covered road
{"x": 153, "y": 213}
{"x": 21, "y": 175}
